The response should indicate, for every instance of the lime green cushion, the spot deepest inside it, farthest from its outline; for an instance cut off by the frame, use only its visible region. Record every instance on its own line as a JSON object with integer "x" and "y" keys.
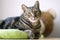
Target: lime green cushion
{"x": 12, "y": 33}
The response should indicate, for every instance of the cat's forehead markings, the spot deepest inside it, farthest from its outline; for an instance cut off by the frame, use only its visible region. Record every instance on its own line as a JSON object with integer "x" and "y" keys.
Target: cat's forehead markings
{"x": 30, "y": 9}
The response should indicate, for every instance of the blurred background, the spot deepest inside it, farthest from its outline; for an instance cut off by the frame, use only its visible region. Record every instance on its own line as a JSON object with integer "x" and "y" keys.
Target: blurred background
{"x": 12, "y": 8}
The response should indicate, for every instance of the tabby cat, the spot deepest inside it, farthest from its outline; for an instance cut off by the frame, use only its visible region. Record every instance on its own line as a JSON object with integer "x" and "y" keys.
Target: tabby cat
{"x": 33, "y": 21}
{"x": 28, "y": 21}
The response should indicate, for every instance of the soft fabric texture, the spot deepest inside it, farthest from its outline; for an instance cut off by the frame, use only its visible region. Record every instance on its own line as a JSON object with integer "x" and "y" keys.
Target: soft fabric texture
{"x": 12, "y": 33}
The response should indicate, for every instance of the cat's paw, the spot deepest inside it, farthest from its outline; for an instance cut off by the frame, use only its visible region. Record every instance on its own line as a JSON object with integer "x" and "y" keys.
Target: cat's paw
{"x": 30, "y": 34}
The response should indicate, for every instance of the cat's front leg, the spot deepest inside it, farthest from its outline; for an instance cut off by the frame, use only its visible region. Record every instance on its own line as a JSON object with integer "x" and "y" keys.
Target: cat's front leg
{"x": 30, "y": 34}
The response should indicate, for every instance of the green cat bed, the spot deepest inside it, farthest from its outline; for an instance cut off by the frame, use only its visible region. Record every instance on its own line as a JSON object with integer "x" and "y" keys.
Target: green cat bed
{"x": 12, "y": 33}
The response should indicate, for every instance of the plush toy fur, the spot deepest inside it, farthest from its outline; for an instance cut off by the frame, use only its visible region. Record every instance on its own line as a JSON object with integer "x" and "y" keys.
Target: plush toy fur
{"x": 47, "y": 18}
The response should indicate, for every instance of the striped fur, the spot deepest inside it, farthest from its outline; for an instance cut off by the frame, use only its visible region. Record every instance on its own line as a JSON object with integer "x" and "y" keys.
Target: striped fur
{"x": 28, "y": 21}
{"x": 32, "y": 20}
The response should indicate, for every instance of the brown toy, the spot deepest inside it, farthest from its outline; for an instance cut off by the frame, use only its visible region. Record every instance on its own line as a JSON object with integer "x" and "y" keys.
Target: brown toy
{"x": 47, "y": 18}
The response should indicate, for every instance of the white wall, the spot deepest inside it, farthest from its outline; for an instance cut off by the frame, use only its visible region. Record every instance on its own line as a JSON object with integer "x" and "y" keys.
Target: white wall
{"x": 13, "y": 8}
{"x": 0, "y": 9}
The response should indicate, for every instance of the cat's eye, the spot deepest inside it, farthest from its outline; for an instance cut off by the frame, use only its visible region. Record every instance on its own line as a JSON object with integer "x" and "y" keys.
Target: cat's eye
{"x": 35, "y": 12}
{"x": 29, "y": 15}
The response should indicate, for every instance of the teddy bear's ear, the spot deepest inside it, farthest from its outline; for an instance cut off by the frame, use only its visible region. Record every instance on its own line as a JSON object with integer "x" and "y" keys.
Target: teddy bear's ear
{"x": 36, "y": 5}
{"x": 24, "y": 7}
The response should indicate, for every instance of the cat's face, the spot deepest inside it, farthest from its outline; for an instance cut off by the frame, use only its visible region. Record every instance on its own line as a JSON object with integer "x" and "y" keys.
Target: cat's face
{"x": 32, "y": 13}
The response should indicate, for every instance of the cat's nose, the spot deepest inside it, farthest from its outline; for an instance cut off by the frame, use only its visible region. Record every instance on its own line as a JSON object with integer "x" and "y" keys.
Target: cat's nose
{"x": 34, "y": 15}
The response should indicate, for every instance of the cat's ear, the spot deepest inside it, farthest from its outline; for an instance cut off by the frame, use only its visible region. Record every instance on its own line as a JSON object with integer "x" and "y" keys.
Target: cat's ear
{"x": 24, "y": 7}
{"x": 36, "y": 5}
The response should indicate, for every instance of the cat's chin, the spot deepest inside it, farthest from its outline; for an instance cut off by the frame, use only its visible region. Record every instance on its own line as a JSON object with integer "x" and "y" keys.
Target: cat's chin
{"x": 33, "y": 21}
